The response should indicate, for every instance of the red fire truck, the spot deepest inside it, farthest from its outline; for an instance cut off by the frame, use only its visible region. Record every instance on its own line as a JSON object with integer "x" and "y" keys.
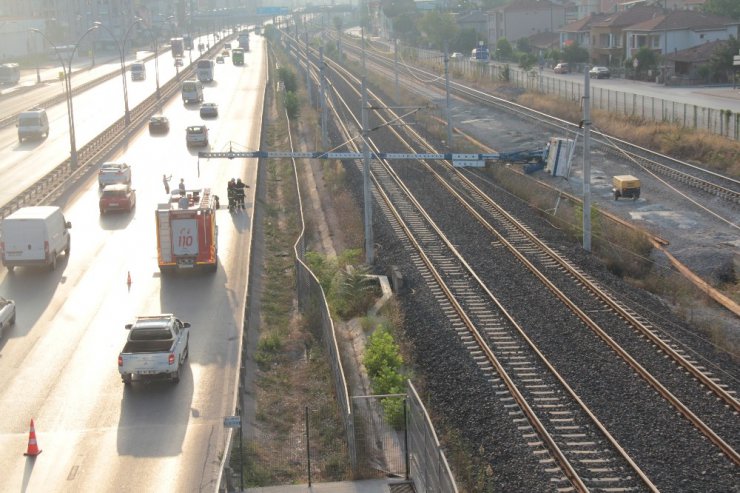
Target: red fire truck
{"x": 187, "y": 231}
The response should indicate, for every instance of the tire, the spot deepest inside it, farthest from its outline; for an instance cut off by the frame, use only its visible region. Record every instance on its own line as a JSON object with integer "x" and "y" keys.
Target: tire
{"x": 68, "y": 248}
{"x": 11, "y": 321}
{"x": 53, "y": 264}
{"x": 186, "y": 353}
{"x": 10, "y": 268}
{"x": 126, "y": 378}
{"x": 176, "y": 375}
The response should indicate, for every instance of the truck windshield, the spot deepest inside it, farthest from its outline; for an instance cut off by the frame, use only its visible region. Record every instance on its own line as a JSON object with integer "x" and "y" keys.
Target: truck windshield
{"x": 150, "y": 335}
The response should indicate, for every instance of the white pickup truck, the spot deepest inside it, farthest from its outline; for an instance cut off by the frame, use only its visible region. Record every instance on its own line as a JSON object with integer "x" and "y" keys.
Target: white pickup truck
{"x": 157, "y": 347}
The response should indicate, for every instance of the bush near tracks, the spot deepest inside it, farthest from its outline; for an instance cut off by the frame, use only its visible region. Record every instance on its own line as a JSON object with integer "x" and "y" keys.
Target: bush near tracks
{"x": 384, "y": 364}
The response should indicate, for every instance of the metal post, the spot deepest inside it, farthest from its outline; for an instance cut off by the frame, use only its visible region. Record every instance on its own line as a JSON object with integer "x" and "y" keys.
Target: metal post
{"x": 395, "y": 70}
{"x": 308, "y": 446}
{"x": 369, "y": 254}
{"x": 364, "y": 69}
{"x": 406, "y": 435}
{"x": 156, "y": 63}
{"x": 308, "y": 69}
{"x": 447, "y": 98}
{"x": 322, "y": 100}
{"x": 241, "y": 451}
{"x": 586, "y": 164}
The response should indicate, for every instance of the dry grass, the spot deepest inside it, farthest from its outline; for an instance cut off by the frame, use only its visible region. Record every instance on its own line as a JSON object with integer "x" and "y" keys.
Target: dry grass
{"x": 713, "y": 151}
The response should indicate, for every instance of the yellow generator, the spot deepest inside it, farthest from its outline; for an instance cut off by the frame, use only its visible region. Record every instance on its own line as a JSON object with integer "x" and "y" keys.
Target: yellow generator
{"x": 626, "y": 186}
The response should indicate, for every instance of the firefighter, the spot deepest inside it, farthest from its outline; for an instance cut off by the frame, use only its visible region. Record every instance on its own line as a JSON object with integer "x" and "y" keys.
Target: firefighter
{"x": 231, "y": 194}
{"x": 166, "y": 181}
{"x": 239, "y": 188}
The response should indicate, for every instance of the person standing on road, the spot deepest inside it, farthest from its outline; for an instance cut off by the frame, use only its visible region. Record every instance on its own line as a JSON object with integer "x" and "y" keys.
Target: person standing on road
{"x": 166, "y": 181}
{"x": 181, "y": 186}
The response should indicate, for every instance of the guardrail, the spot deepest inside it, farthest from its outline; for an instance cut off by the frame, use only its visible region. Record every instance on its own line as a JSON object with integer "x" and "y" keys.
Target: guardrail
{"x": 64, "y": 176}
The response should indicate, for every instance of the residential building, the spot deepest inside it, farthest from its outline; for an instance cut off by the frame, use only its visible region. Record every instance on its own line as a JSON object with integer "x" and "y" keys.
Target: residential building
{"x": 579, "y": 32}
{"x": 608, "y": 41}
{"x": 677, "y": 30}
{"x": 523, "y": 18}
{"x": 478, "y": 21}
{"x": 684, "y": 64}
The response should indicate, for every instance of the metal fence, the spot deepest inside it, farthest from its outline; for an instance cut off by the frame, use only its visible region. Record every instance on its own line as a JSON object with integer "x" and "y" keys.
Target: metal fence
{"x": 716, "y": 121}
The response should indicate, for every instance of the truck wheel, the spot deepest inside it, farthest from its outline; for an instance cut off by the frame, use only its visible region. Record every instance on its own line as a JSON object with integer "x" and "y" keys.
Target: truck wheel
{"x": 176, "y": 375}
{"x": 10, "y": 268}
{"x": 126, "y": 379}
{"x": 53, "y": 264}
{"x": 186, "y": 353}
{"x": 68, "y": 248}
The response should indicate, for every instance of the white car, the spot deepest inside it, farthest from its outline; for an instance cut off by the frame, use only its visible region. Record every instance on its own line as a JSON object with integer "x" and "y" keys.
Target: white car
{"x": 196, "y": 135}
{"x": 457, "y": 56}
{"x": 112, "y": 173}
{"x": 7, "y": 314}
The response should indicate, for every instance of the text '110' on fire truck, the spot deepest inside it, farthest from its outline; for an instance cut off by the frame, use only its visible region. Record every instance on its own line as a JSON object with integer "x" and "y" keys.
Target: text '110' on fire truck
{"x": 186, "y": 231}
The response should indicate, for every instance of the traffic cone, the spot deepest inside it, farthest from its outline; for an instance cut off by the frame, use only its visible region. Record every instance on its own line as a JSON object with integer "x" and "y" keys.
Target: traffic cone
{"x": 33, "y": 448}
{"x": 128, "y": 279}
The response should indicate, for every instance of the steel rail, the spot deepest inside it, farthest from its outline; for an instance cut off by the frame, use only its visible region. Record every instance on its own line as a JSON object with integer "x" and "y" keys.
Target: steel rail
{"x": 644, "y": 157}
{"x": 616, "y": 307}
{"x": 484, "y": 346}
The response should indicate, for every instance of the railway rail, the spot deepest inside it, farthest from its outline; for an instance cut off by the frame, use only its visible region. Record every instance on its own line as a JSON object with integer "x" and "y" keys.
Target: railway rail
{"x": 529, "y": 251}
{"x": 695, "y": 176}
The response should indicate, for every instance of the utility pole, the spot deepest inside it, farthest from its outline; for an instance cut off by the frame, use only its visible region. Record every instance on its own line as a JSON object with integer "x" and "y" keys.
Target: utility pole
{"x": 322, "y": 99}
{"x": 395, "y": 69}
{"x": 308, "y": 69}
{"x": 447, "y": 96}
{"x": 369, "y": 241}
{"x": 587, "y": 163}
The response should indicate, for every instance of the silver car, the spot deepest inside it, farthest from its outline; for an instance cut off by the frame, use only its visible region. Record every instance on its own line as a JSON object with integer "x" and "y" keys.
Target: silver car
{"x": 7, "y": 313}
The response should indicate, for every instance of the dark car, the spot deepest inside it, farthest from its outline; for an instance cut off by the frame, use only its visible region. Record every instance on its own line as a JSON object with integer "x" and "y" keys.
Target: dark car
{"x": 562, "y": 68}
{"x": 159, "y": 124}
{"x": 119, "y": 197}
{"x": 599, "y": 73}
{"x": 209, "y": 110}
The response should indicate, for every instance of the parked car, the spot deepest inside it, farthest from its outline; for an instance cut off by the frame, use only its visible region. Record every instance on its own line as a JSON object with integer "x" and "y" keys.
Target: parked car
{"x": 196, "y": 135}
{"x": 159, "y": 124}
{"x": 110, "y": 173}
{"x": 119, "y": 197}
{"x": 562, "y": 68}
{"x": 7, "y": 314}
{"x": 219, "y": 59}
{"x": 457, "y": 56}
{"x": 599, "y": 73}
{"x": 178, "y": 62}
{"x": 209, "y": 110}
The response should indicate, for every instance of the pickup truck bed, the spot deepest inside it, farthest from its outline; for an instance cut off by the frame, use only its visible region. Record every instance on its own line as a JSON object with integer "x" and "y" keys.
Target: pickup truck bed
{"x": 148, "y": 346}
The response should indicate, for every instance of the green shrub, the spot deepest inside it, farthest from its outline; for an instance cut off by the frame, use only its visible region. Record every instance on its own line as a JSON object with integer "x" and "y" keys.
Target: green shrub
{"x": 381, "y": 352}
{"x": 292, "y": 105}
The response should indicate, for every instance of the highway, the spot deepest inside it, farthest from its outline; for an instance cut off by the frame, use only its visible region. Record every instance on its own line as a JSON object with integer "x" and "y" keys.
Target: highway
{"x": 58, "y": 364}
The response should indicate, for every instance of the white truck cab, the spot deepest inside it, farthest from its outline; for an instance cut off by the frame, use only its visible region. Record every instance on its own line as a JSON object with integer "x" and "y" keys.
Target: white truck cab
{"x": 138, "y": 70}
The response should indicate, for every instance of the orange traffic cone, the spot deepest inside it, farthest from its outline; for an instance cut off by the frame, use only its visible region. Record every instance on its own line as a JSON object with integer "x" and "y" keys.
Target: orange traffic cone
{"x": 128, "y": 278}
{"x": 33, "y": 448}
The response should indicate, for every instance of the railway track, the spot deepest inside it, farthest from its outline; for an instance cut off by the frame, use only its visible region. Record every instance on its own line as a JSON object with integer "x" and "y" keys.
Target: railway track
{"x": 483, "y": 325}
{"x": 678, "y": 171}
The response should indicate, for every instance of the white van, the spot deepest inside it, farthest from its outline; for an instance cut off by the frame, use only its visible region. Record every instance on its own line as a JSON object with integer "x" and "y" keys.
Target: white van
{"x": 138, "y": 70}
{"x": 192, "y": 91}
{"x": 32, "y": 123}
{"x": 34, "y": 236}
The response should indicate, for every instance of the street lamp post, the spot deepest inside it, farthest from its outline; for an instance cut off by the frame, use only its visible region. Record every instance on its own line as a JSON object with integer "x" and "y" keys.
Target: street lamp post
{"x": 121, "y": 50}
{"x": 156, "y": 58}
{"x": 67, "y": 73}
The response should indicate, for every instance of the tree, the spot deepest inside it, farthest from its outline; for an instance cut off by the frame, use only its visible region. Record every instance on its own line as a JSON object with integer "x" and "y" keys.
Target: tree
{"x": 438, "y": 28}
{"x": 647, "y": 59}
{"x": 522, "y": 44}
{"x": 721, "y": 62}
{"x": 575, "y": 54}
{"x": 504, "y": 51}
{"x": 465, "y": 40}
{"x": 723, "y": 8}
{"x": 404, "y": 27}
{"x": 394, "y": 8}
